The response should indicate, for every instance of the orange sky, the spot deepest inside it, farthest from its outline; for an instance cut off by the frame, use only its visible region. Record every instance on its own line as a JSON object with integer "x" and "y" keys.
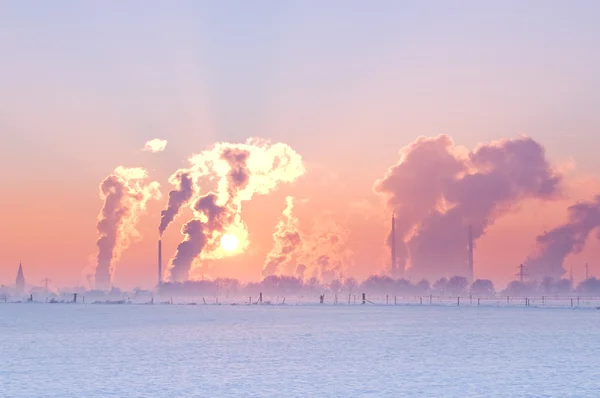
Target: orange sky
{"x": 53, "y": 230}
{"x": 83, "y": 88}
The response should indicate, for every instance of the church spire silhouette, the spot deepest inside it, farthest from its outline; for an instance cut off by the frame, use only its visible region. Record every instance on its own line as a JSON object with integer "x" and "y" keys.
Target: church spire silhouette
{"x": 20, "y": 281}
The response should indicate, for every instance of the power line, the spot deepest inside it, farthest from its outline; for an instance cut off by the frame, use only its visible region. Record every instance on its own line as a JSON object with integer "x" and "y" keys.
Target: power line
{"x": 521, "y": 274}
{"x": 46, "y": 280}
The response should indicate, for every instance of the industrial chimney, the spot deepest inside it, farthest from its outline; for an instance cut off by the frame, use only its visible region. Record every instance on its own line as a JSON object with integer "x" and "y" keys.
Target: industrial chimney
{"x": 159, "y": 263}
{"x": 471, "y": 271}
{"x": 393, "y": 237}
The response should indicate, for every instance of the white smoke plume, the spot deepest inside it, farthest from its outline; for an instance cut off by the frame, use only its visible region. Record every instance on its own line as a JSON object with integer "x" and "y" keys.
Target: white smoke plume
{"x": 325, "y": 251}
{"x": 438, "y": 189}
{"x": 155, "y": 145}
{"x": 240, "y": 171}
{"x": 181, "y": 195}
{"x": 554, "y": 246}
{"x": 125, "y": 193}
{"x": 287, "y": 241}
{"x": 322, "y": 253}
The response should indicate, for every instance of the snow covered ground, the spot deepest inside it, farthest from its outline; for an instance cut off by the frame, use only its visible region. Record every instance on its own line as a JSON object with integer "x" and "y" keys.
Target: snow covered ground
{"x": 86, "y": 350}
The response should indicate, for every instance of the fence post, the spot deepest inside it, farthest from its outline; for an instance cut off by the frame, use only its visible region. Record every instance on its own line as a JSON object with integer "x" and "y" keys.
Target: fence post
{"x": 458, "y": 301}
{"x": 394, "y": 300}
{"x": 364, "y": 299}
{"x": 260, "y": 298}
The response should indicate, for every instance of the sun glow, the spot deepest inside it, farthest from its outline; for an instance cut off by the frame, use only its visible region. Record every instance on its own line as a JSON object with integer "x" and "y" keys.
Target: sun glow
{"x": 229, "y": 242}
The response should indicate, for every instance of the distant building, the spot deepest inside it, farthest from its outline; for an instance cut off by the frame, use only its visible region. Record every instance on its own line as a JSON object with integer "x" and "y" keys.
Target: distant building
{"x": 20, "y": 282}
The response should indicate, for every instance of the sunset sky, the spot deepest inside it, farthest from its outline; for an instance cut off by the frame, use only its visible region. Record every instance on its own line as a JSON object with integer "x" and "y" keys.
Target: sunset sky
{"x": 346, "y": 84}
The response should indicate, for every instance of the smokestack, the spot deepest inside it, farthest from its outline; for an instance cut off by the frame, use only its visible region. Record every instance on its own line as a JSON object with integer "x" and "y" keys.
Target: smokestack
{"x": 571, "y": 276}
{"x": 434, "y": 170}
{"x": 159, "y": 263}
{"x": 394, "y": 266}
{"x": 471, "y": 272}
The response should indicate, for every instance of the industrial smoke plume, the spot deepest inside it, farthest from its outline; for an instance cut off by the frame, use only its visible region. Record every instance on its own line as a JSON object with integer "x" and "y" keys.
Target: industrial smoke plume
{"x": 325, "y": 253}
{"x": 184, "y": 189}
{"x": 287, "y": 241}
{"x": 240, "y": 171}
{"x": 570, "y": 238}
{"x": 199, "y": 232}
{"x": 125, "y": 194}
{"x": 322, "y": 253}
{"x": 438, "y": 189}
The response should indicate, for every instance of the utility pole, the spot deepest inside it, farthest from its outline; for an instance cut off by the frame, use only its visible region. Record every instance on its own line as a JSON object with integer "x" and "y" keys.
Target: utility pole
{"x": 46, "y": 280}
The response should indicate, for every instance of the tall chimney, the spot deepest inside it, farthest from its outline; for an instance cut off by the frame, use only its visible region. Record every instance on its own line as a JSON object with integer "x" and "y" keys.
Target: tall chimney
{"x": 471, "y": 271}
{"x": 393, "y": 237}
{"x": 159, "y": 263}
{"x": 571, "y": 276}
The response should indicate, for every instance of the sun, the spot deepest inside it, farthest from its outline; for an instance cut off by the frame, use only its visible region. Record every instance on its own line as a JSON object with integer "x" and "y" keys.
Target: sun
{"x": 229, "y": 242}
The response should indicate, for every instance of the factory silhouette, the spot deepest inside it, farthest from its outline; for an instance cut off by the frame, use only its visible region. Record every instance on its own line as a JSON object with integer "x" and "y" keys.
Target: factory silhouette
{"x": 394, "y": 283}
{"x": 427, "y": 242}
{"x": 396, "y": 272}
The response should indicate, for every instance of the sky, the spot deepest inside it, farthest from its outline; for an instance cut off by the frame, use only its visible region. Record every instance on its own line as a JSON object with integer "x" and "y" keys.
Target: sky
{"x": 84, "y": 85}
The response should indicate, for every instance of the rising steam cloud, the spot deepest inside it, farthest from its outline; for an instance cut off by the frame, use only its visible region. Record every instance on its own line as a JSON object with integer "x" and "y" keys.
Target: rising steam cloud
{"x": 287, "y": 241}
{"x": 321, "y": 254}
{"x": 125, "y": 193}
{"x": 554, "y": 246}
{"x": 438, "y": 189}
{"x": 184, "y": 189}
{"x": 239, "y": 171}
{"x": 326, "y": 255}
